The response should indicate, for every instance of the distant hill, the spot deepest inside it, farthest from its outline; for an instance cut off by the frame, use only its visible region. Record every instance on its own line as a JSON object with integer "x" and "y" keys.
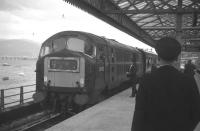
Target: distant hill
{"x": 19, "y": 47}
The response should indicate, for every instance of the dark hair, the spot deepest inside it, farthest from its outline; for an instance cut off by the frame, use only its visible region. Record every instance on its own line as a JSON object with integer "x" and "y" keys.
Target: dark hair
{"x": 168, "y": 48}
{"x": 189, "y": 61}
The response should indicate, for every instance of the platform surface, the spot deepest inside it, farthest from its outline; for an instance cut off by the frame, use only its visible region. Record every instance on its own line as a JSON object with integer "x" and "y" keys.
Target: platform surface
{"x": 113, "y": 114}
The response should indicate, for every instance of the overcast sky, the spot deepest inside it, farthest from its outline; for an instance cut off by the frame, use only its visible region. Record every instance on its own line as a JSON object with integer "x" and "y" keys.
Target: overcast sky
{"x": 39, "y": 19}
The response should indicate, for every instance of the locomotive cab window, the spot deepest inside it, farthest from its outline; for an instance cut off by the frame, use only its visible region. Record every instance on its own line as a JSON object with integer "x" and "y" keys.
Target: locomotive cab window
{"x": 90, "y": 50}
{"x": 44, "y": 51}
{"x": 71, "y": 43}
{"x": 59, "y": 44}
{"x": 75, "y": 44}
{"x": 80, "y": 45}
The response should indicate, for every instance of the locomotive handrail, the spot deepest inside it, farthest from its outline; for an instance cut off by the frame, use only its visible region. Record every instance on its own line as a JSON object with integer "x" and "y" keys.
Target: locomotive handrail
{"x": 14, "y": 99}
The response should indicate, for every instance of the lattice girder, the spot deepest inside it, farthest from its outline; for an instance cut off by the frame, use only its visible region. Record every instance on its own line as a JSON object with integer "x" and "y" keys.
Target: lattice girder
{"x": 150, "y": 19}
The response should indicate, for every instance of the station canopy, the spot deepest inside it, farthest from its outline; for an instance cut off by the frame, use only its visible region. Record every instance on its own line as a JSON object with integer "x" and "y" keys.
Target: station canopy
{"x": 150, "y": 20}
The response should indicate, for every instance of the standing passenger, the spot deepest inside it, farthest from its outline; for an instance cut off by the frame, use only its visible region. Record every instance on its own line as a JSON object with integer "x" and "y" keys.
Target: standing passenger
{"x": 153, "y": 68}
{"x": 132, "y": 79}
{"x": 189, "y": 68}
{"x": 167, "y": 100}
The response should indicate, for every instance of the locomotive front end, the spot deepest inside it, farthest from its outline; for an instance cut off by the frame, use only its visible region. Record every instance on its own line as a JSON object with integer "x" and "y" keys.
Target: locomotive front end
{"x": 64, "y": 79}
{"x": 64, "y": 74}
{"x": 61, "y": 69}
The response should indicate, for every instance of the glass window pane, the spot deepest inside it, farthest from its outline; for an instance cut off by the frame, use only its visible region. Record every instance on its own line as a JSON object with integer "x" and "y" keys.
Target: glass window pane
{"x": 70, "y": 65}
{"x": 59, "y": 44}
{"x": 46, "y": 50}
{"x": 75, "y": 44}
{"x": 41, "y": 52}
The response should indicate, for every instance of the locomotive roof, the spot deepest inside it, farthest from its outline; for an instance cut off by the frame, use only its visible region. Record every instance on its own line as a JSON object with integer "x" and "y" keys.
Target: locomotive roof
{"x": 95, "y": 38}
{"x": 120, "y": 45}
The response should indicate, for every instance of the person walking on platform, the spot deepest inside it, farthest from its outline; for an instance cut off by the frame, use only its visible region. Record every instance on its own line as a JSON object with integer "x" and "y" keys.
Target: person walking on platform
{"x": 167, "y": 100}
{"x": 189, "y": 68}
{"x": 153, "y": 67}
{"x": 133, "y": 80}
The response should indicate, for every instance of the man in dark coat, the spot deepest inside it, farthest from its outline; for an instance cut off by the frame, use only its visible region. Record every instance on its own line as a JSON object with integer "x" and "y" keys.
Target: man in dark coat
{"x": 167, "y": 100}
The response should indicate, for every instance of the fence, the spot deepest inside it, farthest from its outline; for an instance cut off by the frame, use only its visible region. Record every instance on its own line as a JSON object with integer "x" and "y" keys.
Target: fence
{"x": 16, "y": 96}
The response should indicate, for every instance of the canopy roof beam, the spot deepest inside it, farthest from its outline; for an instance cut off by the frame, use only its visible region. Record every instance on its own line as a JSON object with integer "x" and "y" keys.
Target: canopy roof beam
{"x": 148, "y": 20}
{"x": 153, "y": 11}
{"x": 120, "y": 21}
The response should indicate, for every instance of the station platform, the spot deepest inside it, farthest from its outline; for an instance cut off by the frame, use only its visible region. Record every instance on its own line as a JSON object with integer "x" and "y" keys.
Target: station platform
{"x": 113, "y": 114}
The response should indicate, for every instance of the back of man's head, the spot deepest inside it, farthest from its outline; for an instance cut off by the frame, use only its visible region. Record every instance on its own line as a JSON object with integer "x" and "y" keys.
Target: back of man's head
{"x": 168, "y": 49}
{"x": 189, "y": 61}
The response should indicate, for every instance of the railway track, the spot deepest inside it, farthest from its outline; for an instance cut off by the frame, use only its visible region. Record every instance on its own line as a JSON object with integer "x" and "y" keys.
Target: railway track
{"x": 39, "y": 121}
{"x": 42, "y": 123}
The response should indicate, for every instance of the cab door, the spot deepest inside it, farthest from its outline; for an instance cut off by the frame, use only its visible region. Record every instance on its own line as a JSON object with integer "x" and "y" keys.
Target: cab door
{"x": 101, "y": 67}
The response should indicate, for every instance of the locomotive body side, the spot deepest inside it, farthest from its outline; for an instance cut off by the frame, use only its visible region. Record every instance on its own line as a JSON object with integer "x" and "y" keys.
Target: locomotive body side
{"x": 120, "y": 58}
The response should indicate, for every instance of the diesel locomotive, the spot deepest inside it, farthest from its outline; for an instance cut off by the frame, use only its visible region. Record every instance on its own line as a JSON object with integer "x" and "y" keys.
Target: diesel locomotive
{"x": 78, "y": 67}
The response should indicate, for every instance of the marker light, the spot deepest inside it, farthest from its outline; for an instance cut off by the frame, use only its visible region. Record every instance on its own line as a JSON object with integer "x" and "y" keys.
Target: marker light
{"x": 45, "y": 80}
{"x": 82, "y": 82}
